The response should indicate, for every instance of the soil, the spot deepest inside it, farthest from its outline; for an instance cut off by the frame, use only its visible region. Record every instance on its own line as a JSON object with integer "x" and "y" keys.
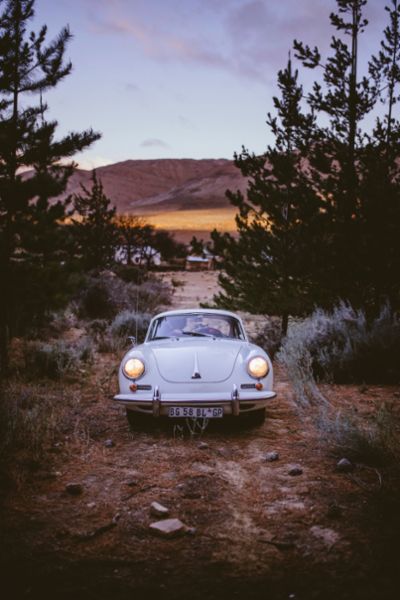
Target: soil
{"x": 253, "y": 530}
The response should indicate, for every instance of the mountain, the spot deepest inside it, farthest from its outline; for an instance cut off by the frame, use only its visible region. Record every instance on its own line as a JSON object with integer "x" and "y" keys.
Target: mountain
{"x": 165, "y": 185}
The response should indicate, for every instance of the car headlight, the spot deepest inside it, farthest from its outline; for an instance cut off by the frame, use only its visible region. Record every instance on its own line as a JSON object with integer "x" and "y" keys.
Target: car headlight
{"x": 134, "y": 368}
{"x": 258, "y": 367}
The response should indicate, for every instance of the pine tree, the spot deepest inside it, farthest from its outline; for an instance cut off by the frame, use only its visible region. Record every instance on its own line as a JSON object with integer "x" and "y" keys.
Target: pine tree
{"x": 345, "y": 99}
{"x": 385, "y": 70}
{"x": 268, "y": 268}
{"x": 380, "y": 177}
{"x": 28, "y": 66}
{"x": 94, "y": 225}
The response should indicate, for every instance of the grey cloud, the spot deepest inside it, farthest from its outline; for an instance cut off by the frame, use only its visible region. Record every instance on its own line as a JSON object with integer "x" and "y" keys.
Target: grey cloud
{"x": 154, "y": 143}
{"x": 132, "y": 87}
{"x": 253, "y": 39}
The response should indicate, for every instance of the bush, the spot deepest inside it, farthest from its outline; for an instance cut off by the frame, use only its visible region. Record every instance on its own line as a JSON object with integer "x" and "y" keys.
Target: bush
{"x": 106, "y": 295}
{"x": 97, "y": 303}
{"x": 270, "y": 338}
{"x": 132, "y": 273}
{"x": 376, "y": 442}
{"x": 29, "y": 419}
{"x": 128, "y": 324}
{"x": 343, "y": 347}
{"x": 53, "y": 360}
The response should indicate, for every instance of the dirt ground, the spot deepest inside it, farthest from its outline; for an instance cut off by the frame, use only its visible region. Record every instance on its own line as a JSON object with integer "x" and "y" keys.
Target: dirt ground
{"x": 254, "y": 530}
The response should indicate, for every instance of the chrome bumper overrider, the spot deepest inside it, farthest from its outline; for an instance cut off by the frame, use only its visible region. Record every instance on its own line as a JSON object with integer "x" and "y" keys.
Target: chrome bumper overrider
{"x": 158, "y": 403}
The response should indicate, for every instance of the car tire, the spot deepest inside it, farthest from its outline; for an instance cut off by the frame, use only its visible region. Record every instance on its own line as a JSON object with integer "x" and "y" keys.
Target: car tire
{"x": 256, "y": 417}
{"x": 136, "y": 420}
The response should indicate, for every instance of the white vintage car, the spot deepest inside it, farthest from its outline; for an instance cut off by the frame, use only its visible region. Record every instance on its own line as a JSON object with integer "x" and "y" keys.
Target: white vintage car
{"x": 195, "y": 364}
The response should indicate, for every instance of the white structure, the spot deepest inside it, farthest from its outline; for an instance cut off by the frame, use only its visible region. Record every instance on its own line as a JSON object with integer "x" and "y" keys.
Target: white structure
{"x": 139, "y": 256}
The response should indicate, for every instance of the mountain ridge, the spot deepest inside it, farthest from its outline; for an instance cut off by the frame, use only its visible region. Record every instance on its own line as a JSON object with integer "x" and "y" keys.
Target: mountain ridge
{"x": 144, "y": 186}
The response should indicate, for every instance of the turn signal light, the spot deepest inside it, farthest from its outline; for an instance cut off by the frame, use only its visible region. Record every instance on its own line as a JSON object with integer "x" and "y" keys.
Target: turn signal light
{"x": 133, "y": 387}
{"x": 259, "y": 386}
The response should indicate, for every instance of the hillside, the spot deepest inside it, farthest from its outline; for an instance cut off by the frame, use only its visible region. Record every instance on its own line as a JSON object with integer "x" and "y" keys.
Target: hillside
{"x": 163, "y": 185}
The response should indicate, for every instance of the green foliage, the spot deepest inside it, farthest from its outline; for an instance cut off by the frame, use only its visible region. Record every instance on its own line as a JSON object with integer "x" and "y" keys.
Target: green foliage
{"x": 355, "y": 171}
{"x": 94, "y": 227}
{"x": 168, "y": 247}
{"x": 268, "y": 268}
{"x": 30, "y": 219}
{"x": 321, "y": 216}
{"x": 137, "y": 239}
{"x": 197, "y": 246}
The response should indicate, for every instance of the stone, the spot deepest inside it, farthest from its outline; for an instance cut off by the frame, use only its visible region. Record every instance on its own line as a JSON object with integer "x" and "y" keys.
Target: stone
{"x": 109, "y": 444}
{"x": 75, "y": 489}
{"x": 168, "y": 527}
{"x": 224, "y": 452}
{"x": 272, "y": 456}
{"x": 295, "y": 470}
{"x": 344, "y": 465}
{"x": 131, "y": 482}
{"x": 91, "y": 504}
{"x": 158, "y": 510}
{"x": 328, "y": 536}
{"x": 202, "y": 446}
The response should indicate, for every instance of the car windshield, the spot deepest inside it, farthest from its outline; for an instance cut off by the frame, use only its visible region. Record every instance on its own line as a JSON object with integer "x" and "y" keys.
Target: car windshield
{"x": 196, "y": 325}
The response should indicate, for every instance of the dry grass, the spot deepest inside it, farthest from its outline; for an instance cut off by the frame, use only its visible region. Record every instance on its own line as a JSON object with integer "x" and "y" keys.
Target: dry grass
{"x": 200, "y": 220}
{"x": 33, "y": 416}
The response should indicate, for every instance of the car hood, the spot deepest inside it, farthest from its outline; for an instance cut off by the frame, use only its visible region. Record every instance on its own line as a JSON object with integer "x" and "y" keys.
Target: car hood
{"x": 184, "y": 361}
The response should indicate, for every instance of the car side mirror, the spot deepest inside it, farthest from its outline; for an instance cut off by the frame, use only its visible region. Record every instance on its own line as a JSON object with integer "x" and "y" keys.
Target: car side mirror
{"x": 132, "y": 340}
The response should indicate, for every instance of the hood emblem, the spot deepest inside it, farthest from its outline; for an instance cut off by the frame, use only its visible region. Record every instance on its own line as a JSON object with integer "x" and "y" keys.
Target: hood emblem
{"x": 196, "y": 372}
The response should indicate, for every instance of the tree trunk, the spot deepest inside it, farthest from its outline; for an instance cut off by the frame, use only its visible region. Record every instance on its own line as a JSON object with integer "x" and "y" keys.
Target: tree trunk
{"x": 284, "y": 324}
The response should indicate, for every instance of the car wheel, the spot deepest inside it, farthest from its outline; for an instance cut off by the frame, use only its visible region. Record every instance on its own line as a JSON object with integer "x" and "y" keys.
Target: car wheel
{"x": 136, "y": 420}
{"x": 256, "y": 417}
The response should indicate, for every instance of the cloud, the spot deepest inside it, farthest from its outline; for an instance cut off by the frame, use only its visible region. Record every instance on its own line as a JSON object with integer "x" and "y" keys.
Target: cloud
{"x": 132, "y": 87}
{"x": 93, "y": 162}
{"x": 247, "y": 38}
{"x": 165, "y": 46}
{"x": 154, "y": 143}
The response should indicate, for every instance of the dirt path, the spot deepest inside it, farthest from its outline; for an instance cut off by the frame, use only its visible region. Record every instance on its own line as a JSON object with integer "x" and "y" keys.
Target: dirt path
{"x": 255, "y": 529}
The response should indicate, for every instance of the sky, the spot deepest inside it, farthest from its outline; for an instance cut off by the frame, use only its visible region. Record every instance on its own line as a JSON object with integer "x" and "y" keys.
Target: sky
{"x": 181, "y": 78}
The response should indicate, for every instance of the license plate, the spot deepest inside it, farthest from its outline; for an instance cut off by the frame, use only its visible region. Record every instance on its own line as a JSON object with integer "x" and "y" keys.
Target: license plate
{"x": 193, "y": 412}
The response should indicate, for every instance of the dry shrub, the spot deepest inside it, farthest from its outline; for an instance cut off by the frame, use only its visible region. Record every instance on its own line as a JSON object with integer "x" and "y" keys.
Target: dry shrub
{"x": 106, "y": 295}
{"x": 129, "y": 323}
{"x": 53, "y": 360}
{"x": 270, "y": 337}
{"x": 374, "y": 442}
{"x": 30, "y": 418}
{"x": 341, "y": 346}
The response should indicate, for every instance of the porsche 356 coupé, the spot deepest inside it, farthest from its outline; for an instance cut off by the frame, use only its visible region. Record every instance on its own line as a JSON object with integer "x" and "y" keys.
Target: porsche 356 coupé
{"x": 195, "y": 364}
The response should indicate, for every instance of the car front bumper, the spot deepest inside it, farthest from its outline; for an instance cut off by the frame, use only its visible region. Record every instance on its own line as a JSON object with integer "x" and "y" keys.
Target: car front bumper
{"x": 158, "y": 404}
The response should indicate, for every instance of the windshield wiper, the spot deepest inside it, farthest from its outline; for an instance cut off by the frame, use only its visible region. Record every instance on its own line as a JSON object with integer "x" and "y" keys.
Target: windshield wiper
{"x": 197, "y": 334}
{"x": 161, "y": 337}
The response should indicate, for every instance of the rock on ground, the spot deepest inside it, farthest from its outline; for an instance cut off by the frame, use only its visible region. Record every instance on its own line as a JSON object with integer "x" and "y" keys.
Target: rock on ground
{"x": 168, "y": 527}
{"x": 158, "y": 510}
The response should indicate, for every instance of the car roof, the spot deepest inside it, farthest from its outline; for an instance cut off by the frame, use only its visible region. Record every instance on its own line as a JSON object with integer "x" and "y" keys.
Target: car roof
{"x": 188, "y": 311}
